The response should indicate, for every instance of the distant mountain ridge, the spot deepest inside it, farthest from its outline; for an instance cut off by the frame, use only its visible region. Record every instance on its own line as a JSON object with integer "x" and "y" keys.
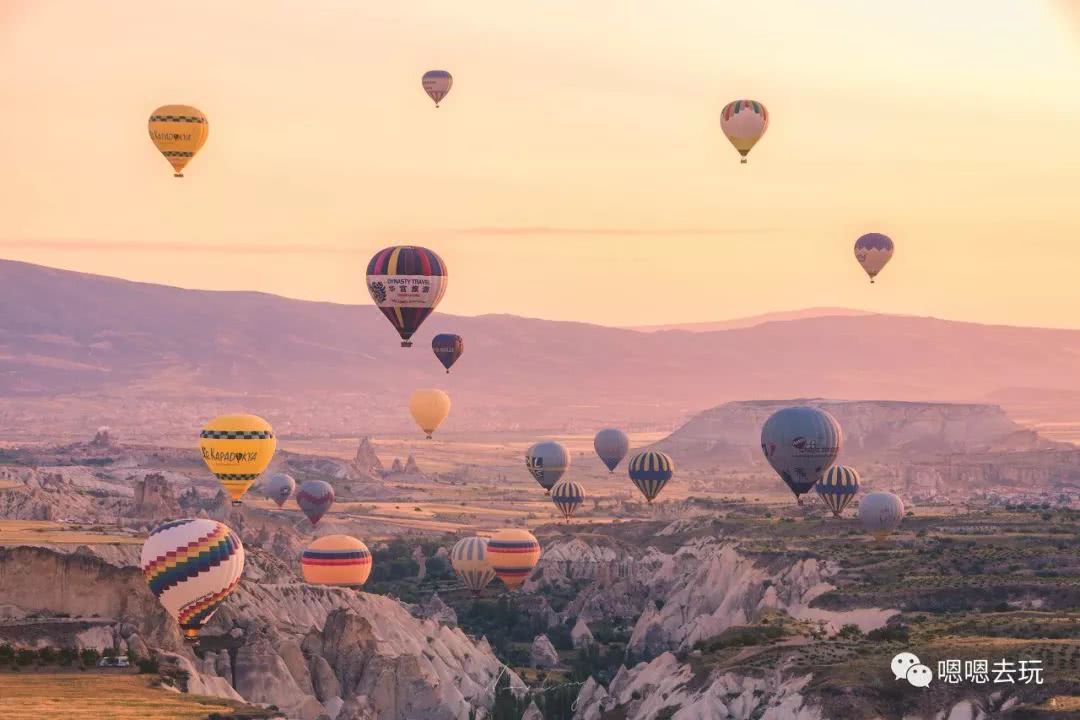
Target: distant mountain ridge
{"x": 78, "y": 351}
{"x": 752, "y": 320}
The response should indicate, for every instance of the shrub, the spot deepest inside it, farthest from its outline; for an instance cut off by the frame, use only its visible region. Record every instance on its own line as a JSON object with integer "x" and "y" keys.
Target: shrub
{"x": 7, "y": 654}
{"x": 89, "y": 656}
{"x": 25, "y": 657}
{"x": 47, "y": 656}
{"x": 850, "y": 631}
{"x": 149, "y": 666}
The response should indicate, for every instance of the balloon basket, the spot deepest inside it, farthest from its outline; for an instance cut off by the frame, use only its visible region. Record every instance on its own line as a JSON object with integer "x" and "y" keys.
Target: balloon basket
{"x": 191, "y": 636}
{"x": 406, "y": 343}
{"x": 743, "y": 161}
{"x": 178, "y": 174}
{"x": 237, "y": 503}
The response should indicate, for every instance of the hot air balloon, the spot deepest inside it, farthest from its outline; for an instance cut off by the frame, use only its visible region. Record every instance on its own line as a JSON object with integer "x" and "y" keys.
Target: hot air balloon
{"x": 314, "y": 498}
{"x": 880, "y": 513}
{"x": 470, "y": 561}
{"x": 279, "y": 488}
{"x": 650, "y": 472}
{"x": 336, "y": 560}
{"x": 547, "y": 461}
{"x": 429, "y": 408}
{"x": 437, "y": 84}
{"x": 191, "y": 566}
{"x": 237, "y": 449}
{"x": 513, "y": 554}
{"x": 178, "y": 131}
{"x": 567, "y": 496}
{"x": 801, "y": 443}
{"x": 611, "y": 445}
{"x": 837, "y": 488}
{"x": 744, "y": 122}
{"x": 448, "y": 348}
{"x": 406, "y": 284}
{"x": 873, "y": 251}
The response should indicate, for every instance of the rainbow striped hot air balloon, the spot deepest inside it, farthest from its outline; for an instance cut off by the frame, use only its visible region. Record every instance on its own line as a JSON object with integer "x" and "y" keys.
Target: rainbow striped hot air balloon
{"x": 567, "y": 496}
{"x": 336, "y": 560}
{"x": 469, "y": 558}
{"x": 837, "y": 488}
{"x": 406, "y": 284}
{"x": 237, "y": 449}
{"x": 191, "y": 566}
{"x": 650, "y": 472}
{"x": 513, "y": 554}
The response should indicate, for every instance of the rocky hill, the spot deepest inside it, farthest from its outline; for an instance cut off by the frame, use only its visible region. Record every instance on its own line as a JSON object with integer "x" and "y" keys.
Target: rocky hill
{"x": 878, "y": 430}
{"x": 149, "y": 360}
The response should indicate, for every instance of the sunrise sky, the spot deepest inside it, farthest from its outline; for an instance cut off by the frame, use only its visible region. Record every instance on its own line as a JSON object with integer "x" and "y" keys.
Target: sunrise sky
{"x": 577, "y": 169}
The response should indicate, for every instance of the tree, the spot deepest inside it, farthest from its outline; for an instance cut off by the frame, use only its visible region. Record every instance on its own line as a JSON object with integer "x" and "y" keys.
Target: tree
{"x": 507, "y": 706}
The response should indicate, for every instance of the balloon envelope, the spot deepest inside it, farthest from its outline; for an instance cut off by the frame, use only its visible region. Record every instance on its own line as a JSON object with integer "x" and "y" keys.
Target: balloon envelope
{"x": 873, "y": 251}
{"x": 279, "y": 488}
{"x": 650, "y": 472}
{"x": 336, "y": 560}
{"x": 429, "y": 407}
{"x": 567, "y": 496}
{"x": 178, "y": 132}
{"x": 611, "y": 445}
{"x": 448, "y": 348}
{"x": 513, "y": 554}
{"x": 837, "y": 488}
{"x": 437, "y": 84}
{"x": 547, "y": 462}
{"x": 191, "y": 566}
{"x": 314, "y": 498}
{"x": 406, "y": 284}
{"x": 237, "y": 449}
{"x": 880, "y": 513}
{"x": 801, "y": 443}
{"x": 744, "y": 122}
{"x": 470, "y": 561}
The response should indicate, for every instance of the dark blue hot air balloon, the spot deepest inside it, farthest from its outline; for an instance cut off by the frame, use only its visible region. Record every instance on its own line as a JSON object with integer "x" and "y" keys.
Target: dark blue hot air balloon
{"x": 448, "y": 348}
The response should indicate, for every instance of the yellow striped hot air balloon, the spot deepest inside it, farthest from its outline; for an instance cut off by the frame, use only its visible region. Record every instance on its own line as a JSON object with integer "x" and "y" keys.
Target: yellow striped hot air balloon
{"x": 237, "y": 449}
{"x": 513, "y": 554}
{"x": 178, "y": 132}
{"x": 336, "y": 560}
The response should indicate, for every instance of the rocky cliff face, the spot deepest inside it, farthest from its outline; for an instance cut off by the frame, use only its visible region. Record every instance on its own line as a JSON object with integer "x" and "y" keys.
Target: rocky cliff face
{"x": 154, "y": 498}
{"x": 312, "y": 651}
{"x": 705, "y": 587}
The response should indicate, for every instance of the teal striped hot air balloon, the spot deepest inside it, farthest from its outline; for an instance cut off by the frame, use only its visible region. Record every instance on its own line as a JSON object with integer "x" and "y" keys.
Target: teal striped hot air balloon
{"x": 837, "y": 488}
{"x": 567, "y": 496}
{"x": 650, "y": 472}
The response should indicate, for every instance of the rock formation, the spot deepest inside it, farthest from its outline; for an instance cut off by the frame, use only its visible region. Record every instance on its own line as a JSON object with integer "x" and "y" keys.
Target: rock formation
{"x": 410, "y": 466}
{"x": 435, "y": 609}
{"x": 154, "y": 498}
{"x": 543, "y": 653}
{"x": 366, "y": 461}
{"x": 102, "y": 438}
{"x": 581, "y": 635}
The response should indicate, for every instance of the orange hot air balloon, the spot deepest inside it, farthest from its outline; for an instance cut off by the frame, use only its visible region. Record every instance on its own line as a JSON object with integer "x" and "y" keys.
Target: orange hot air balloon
{"x": 336, "y": 560}
{"x": 513, "y": 554}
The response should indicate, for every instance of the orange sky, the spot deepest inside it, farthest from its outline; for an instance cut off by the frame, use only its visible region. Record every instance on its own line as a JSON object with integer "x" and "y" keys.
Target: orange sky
{"x": 577, "y": 169}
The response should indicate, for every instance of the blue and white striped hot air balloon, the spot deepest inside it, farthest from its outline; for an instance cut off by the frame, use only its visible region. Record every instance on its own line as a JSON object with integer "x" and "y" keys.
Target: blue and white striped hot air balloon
{"x": 567, "y": 496}
{"x": 469, "y": 560}
{"x": 650, "y": 472}
{"x": 838, "y": 487}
